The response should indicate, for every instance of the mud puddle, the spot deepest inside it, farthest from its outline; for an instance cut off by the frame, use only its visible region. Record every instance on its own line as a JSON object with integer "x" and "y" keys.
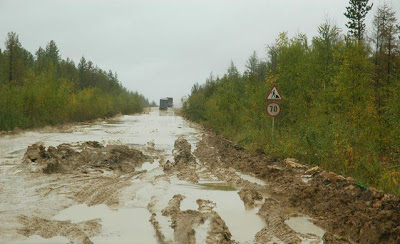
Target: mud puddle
{"x": 120, "y": 225}
{"x": 148, "y": 166}
{"x": 251, "y": 179}
{"x": 304, "y": 226}
{"x": 225, "y": 202}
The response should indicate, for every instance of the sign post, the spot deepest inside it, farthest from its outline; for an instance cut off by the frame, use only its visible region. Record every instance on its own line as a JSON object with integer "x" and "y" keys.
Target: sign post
{"x": 273, "y": 109}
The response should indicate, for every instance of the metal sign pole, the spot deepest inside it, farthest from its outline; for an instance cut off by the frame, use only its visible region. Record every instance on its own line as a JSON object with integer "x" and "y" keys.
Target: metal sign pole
{"x": 273, "y": 125}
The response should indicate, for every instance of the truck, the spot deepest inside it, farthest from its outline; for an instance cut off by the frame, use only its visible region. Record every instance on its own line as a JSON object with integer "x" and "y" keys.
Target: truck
{"x": 170, "y": 102}
{"x": 163, "y": 104}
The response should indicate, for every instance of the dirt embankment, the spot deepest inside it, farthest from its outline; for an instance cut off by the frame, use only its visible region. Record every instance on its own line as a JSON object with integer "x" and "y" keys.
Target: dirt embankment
{"x": 348, "y": 212}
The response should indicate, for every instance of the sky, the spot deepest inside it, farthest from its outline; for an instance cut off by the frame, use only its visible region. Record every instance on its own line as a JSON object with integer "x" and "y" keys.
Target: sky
{"x": 160, "y": 48}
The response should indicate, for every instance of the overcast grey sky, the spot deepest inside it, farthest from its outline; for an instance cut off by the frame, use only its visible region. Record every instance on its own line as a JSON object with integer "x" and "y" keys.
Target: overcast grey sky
{"x": 162, "y": 47}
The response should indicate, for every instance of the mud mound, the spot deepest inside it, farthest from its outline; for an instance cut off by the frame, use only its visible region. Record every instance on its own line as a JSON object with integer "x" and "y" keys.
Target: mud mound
{"x": 205, "y": 205}
{"x": 249, "y": 196}
{"x": 75, "y": 232}
{"x": 67, "y": 158}
{"x": 173, "y": 205}
{"x": 182, "y": 151}
{"x": 184, "y": 165}
{"x": 274, "y": 217}
{"x": 185, "y": 222}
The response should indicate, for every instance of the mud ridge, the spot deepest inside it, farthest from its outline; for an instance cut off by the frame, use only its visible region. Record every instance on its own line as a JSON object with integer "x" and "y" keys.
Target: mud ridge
{"x": 77, "y": 233}
{"x": 184, "y": 165}
{"x": 67, "y": 158}
{"x": 185, "y": 222}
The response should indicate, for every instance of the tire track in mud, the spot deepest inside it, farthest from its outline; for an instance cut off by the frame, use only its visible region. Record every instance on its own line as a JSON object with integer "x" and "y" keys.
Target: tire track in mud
{"x": 103, "y": 190}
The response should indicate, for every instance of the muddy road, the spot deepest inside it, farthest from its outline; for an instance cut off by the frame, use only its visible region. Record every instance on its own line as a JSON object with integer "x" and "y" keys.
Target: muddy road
{"x": 156, "y": 178}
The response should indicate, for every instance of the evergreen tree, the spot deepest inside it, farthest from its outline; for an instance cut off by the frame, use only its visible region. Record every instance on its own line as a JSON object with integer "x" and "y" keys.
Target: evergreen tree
{"x": 40, "y": 65}
{"x": 252, "y": 63}
{"x": 14, "y": 63}
{"x": 52, "y": 52}
{"x": 232, "y": 70}
{"x": 2, "y": 76}
{"x": 356, "y": 13}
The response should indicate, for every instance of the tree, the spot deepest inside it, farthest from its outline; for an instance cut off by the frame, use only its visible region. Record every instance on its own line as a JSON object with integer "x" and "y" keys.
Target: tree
{"x": 153, "y": 104}
{"x": 232, "y": 70}
{"x": 40, "y": 60}
{"x": 14, "y": 62}
{"x": 387, "y": 64}
{"x": 252, "y": 63}
{"x": 385, "y": 27}
{"x": 323, "y": 46}
{"x": 82, "y": 73}
{"x": 356, "y": 13}
{"x": 52, "y": 52}
{"x": 2, "y": 77}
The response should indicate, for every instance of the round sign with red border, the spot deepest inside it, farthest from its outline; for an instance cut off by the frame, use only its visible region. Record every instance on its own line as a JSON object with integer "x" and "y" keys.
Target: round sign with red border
{"x": 273, "y": 109}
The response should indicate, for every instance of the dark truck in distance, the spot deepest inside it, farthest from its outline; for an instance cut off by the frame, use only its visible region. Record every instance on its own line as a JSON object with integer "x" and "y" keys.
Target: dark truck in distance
{"x": 163, "y": 104}
{"x": 170, "y": 102}
{"x": 166, "y": 103}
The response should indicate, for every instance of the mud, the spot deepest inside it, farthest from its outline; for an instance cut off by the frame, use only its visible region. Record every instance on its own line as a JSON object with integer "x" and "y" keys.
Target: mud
{"x": 348, "y": 212}
{"x": 185, "y": 222}
{"x": 75, "y": 232}
{"x": 184, "y": 164}
{"x": 250, "y": 196}
{"x": 200, "y": 188}
{"x": 66, "y": 158}
{"x": 182, "y": 152}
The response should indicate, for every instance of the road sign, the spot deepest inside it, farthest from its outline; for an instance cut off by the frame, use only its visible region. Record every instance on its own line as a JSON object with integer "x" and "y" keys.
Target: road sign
{"x": 274, "y": 94}
{"x": 273, "y": 109}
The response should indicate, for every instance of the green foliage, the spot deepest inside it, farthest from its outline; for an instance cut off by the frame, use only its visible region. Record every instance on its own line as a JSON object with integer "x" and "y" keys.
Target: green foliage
{"x": 333, "y": 114}
{"x": 48, "y": 90}
{"x": 356, "y": 13}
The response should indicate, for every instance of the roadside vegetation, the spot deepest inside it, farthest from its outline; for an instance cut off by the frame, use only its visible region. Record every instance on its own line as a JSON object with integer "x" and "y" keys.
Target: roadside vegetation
{"x": 43, "y": 89}
{"x": 341, "y": 107}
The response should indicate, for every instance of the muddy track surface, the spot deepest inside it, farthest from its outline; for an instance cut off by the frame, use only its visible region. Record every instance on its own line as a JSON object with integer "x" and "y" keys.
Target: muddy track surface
{"x": 156, "y": 178}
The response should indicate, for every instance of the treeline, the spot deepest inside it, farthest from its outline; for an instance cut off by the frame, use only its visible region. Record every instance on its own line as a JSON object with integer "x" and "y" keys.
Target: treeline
{"x": 341, "y": 107}
{"x": 43, "y": 89}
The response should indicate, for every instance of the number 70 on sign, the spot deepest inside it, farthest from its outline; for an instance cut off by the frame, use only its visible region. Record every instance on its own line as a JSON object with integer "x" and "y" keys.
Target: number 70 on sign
{"x": 273, "y": 109}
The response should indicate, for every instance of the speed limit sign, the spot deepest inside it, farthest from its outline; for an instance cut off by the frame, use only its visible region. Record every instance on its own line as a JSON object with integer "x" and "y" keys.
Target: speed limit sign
{"x": 273, "y": 109}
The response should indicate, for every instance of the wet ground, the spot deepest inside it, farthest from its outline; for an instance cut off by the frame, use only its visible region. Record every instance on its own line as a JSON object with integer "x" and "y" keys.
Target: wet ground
{"x": 181, "y": 191}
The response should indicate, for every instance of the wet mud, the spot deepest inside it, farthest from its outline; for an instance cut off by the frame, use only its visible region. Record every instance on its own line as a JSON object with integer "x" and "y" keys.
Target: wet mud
{"x": 348, "y": 212}
{"x": 185, "y": 222}
{"x": 155, "y": 178}
{"x": 75, "y": 232}
{"x": 67, "y": 158}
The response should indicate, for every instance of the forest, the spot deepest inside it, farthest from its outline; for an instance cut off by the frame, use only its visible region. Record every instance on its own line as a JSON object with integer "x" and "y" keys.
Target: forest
{"x": 341, "y": 98}
{"x": 44, "y": 89}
